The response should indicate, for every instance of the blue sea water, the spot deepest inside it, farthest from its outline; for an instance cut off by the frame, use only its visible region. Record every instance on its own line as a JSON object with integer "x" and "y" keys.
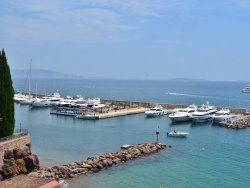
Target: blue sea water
{"x": 59, "y": 140}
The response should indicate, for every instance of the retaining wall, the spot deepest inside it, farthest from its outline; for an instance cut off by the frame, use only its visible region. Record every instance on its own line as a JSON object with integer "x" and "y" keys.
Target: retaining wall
{"x": 13, "y": 144}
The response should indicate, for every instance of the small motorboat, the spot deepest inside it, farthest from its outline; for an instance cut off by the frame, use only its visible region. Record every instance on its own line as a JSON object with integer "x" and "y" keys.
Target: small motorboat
{"x": 177, "y": 134}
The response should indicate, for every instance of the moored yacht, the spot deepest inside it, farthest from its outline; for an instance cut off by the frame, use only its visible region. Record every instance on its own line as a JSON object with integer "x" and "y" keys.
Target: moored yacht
{"x": 156, "y": 111}
{"x": 223, "y": 115}
{"x": 204, "y": 113}
{"x": 47, "y": 101}
{"x": 183, "y": 114}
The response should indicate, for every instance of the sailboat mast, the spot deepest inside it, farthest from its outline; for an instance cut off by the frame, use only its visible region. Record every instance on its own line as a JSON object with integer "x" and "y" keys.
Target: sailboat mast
{"x": 30, "y": 79}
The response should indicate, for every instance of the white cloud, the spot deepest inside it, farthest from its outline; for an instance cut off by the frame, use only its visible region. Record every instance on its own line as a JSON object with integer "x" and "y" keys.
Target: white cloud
{"x": 80, "y": 20}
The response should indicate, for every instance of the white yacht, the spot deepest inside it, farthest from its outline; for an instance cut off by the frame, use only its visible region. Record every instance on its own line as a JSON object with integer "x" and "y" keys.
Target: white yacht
{"x": 41, "y": 103}
{"x": 183, "y": 114}
{"x": 246, "y": 89}
{"x": 47, "y": 101}
{"x": 223, "y": 115}
{"x": 204, "y": 113}
{"x": 156, "y": 111}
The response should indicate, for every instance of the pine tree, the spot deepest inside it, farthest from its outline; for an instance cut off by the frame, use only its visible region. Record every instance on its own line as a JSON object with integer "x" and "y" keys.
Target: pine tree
{"x": 7, "y": 111}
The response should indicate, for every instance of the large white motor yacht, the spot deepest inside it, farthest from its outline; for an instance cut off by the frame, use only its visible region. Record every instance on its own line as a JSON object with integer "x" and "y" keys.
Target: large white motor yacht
{"x": 246, "y": 89}
{"x": 156, "y": 111}
{"x": 49, "y": 100}
{"x": 204, "y": 113}
{"x": 183, "y": 114}
{"x": 223, "y": 115}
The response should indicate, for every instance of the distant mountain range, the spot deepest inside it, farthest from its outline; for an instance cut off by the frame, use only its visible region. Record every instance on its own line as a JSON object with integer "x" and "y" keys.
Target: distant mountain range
{"x": 40, "y": 73}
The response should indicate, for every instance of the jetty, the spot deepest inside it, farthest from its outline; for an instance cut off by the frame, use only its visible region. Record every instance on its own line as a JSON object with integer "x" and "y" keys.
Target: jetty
{"x": 113, "y": 113}
{"x": 96, "y": 164}
{"x": 239, "y": 122}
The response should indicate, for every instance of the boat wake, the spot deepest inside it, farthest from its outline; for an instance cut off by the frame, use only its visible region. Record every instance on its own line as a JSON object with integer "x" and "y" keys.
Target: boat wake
{"x": 191, "y": 95}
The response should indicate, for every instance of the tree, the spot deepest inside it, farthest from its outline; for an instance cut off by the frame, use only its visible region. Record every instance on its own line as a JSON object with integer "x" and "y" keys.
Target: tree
{"x": 7, "y": 110}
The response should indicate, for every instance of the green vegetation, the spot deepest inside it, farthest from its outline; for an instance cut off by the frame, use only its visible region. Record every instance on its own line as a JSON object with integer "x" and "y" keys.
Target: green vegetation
{"x": 7, "y": 122}
{"x": 10, "y": 162}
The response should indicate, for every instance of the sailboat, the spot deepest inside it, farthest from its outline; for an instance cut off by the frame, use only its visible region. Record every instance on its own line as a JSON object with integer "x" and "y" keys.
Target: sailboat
{"x": 28, "y": 99}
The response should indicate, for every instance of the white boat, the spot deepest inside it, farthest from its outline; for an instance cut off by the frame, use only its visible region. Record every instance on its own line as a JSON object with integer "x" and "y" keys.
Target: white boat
{"x": 64, "y": 112}
{"x": 41, "y": 103}
{"x": 47, "y": 101}
{"x": 87, "y": 115}
{"x": 183, "y": 114}
{"x": 246, "y": 89}
{"x": 98, "y": 105}
{"x": 156, "y": 111}
{"x": 223, "y": 115}
{"x": 203, "y": 114}
{"x": 177, "y": 134}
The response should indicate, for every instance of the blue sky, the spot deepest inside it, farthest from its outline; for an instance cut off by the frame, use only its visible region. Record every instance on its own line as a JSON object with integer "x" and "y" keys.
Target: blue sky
{"x": 143, "y": 39}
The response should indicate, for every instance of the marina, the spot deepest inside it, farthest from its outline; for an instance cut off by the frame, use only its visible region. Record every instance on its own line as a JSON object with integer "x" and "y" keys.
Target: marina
{"x": 60, "y": 139}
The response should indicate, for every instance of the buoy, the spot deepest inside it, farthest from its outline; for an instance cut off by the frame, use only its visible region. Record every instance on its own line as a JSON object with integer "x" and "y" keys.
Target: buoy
{"x": 202, "y": 149}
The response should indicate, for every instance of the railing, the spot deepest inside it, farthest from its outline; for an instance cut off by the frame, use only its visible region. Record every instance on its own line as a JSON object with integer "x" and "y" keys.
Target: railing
{"x": 17, "y": 134}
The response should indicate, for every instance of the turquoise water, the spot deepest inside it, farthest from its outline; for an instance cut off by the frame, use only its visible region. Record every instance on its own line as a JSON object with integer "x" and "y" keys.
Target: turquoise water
{"x": 59, "y": 140}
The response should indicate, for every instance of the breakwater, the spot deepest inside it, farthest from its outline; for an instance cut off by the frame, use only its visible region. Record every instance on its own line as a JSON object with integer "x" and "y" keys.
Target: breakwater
{"x": 95, "y": 164}
{"x": 237, "y": 123}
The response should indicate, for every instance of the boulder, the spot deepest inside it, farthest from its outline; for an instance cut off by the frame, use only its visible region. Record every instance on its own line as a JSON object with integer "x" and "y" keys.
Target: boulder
{"x": 8, "y": 154}
{"x": 84, "y": 165}
{"x": 31, "y": 162}
{"x": 7, "y": 171}
{"x": 21, "y": 167}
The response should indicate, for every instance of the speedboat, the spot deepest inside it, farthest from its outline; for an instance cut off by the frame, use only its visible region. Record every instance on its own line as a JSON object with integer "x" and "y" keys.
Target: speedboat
{"x": 223, "y": 115}
{"x": 156, "y": 111}
{"x": 246, "y": 89}
{"x": 177, "y": 134}
{"x": 183, "y": 114}
{"x": 203, "y": 114}
{"x": 87, "y": 115}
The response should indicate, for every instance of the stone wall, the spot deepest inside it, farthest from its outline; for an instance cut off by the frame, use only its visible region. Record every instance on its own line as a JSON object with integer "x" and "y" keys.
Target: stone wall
{"x": 13, "y": 144}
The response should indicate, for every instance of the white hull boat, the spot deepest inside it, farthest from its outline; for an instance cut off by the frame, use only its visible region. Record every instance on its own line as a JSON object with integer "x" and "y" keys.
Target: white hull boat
{"x": 203, "y": 114}
{"x": 41, "y": 103}
{"x": 63, "y": 112}
{"x": 177, "y": 134}
{"x": 223, "y": 115}
{"x": 87, "y": 115}
{"x": 183, "y": 114}
{"x": 156, "y": 111}
{"x": 246, "y": 89}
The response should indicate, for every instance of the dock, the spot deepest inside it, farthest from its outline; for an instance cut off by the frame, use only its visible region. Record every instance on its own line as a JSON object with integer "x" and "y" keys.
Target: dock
{"x": 113, "y": 113}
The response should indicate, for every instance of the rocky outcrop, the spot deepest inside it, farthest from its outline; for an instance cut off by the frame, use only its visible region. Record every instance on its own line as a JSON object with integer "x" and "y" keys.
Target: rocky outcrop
{"x": 95, "y": 164}
{"x": 18, "y": 161}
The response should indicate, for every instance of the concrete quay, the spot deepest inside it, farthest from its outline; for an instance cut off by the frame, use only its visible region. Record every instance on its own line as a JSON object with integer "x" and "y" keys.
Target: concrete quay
{"x": 114, "y": 113}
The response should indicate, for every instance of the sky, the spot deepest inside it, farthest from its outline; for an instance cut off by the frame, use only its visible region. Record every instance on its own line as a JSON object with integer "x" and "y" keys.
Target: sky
{"x": 129, "y": 39}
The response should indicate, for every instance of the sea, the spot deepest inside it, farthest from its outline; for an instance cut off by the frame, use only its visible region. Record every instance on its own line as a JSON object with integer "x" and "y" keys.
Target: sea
{"x": 210, "y": 156}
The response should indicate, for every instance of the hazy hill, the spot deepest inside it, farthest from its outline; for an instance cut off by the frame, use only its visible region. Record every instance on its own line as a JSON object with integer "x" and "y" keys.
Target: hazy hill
{"x": 40, "y": 73}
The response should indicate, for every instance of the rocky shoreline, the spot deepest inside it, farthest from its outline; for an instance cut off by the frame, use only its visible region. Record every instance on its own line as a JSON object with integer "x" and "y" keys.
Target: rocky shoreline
{"x": 18, "y": 161}
{"x": 95, "y": 164}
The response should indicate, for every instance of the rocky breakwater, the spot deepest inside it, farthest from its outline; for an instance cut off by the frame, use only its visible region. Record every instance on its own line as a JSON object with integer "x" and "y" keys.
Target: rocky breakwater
{"x": 95, "y": 164}
{"x": 18, "y": 161}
